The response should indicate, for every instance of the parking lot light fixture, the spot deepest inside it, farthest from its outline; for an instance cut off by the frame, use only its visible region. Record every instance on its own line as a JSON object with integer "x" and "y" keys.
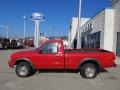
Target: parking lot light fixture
{"x": 24, "y": 32}
{"x": 7, "y": 27}
{"x": 79, "y": 25}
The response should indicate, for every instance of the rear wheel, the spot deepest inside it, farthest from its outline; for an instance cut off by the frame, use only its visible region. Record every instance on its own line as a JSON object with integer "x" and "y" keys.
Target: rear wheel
{"x": 23, "y": 69}
{"x": 89, "y": 70}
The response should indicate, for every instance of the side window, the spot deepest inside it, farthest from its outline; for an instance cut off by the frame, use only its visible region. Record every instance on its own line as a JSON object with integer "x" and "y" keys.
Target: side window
{"x": 50, "y": 48}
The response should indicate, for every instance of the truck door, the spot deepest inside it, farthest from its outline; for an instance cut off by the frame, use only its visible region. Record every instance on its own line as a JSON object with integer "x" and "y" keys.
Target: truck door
{"x": 50, "y": 58}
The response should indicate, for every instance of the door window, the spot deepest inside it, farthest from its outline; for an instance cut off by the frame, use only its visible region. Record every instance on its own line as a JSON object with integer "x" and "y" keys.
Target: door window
{"x": 50, "y": 48}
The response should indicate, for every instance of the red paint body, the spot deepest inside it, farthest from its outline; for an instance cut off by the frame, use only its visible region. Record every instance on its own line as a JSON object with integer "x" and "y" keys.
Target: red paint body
{"x": 63, "y": 59}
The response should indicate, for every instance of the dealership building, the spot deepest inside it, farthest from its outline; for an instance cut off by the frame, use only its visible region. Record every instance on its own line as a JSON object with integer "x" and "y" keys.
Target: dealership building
{"x": 100, "y": 31}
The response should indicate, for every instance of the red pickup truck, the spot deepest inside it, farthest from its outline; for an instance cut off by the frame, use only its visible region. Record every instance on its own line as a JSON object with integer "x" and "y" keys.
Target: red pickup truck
{"x": 52, "y": 55}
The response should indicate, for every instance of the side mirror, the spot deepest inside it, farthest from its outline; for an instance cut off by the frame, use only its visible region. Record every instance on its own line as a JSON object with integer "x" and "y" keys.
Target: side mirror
{"x": 40, "y": 51}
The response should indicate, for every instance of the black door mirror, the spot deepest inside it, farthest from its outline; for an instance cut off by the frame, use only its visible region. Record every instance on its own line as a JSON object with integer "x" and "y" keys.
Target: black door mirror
{"x": 40, "y": 51}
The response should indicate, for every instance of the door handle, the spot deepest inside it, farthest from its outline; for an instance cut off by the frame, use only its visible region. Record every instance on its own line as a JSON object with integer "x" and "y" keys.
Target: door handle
{"x": 57, "y": 55}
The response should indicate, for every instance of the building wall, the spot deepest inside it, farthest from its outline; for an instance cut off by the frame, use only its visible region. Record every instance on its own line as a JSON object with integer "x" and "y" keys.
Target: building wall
{"x": 115, "y": 3}
{"x": 107, "y": 22}
{"x": 116, "y": 7}
{"x": 73, "y": 29}
{"x": 97, "y": 25}
{"x": 109, "y": 30}
{"x": 103, "y": 22}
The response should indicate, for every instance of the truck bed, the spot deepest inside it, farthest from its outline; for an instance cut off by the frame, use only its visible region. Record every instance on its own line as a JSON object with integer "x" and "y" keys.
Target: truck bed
{"x": 85, "y": 50}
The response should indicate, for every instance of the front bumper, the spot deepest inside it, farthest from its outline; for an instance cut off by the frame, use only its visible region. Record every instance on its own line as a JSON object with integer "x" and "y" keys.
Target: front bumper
{"x": 11, "y": 64}
{"x": 115, "y": 65}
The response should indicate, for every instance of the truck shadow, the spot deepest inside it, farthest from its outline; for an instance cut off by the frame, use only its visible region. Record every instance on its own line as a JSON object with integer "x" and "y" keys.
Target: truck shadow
{"x": 66, "y": 71}
{"x": 104, "y": 71}
{"x": 106, "y": 76}
{"x": 57, "y": 71}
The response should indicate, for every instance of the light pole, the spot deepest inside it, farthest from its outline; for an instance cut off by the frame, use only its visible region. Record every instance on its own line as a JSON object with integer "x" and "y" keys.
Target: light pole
{"x": 53, "y": 31}
{"x": 37, "y": 17}
{"x": 24, "y": 32}
{"x": 7, "y": 29}
{"x": 79, "y": 25}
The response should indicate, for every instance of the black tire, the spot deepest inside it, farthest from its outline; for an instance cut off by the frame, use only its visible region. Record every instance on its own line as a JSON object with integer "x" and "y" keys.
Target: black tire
{"x": 89, "y": 71}
{"x": 23, "y": 69}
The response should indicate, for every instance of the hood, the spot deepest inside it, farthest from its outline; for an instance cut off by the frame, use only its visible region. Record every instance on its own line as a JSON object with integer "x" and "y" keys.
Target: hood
{"x": 23, "y": 53}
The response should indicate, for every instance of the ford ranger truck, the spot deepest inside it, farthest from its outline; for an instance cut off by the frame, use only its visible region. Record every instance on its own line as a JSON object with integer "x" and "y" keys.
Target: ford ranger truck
{"x": 52, "y": 55}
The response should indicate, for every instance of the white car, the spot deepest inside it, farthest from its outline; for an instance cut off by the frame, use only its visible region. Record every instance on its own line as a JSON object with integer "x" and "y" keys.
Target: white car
{"x": 20, "y": 45}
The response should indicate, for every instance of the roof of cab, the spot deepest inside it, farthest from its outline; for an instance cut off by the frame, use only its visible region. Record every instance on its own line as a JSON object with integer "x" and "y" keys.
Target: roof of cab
{"x": 54, "y": 40}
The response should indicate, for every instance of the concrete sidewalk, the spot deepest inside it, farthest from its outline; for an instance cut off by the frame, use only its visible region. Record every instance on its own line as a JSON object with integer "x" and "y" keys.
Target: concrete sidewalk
{"x": 117, "y": 61}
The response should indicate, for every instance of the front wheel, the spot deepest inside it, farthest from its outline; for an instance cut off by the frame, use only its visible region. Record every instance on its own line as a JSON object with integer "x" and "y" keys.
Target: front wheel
{"x": 23, "y": 69}
{"x": 89, "y": 70}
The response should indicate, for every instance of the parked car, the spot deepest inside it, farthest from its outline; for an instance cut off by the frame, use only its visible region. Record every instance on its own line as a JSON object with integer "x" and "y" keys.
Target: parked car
{"x": 0, "y": 43}
{"x": 4, "y": 43}
{"x": 30, "y": 43}
{"x": 20, "y": 44}
{"x": 52, "y": 55}
{"x": 13, "y": 43}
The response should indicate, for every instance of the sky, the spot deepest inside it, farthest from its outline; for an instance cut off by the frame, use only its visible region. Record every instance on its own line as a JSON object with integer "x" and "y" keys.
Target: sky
{"x": 57, "y": 13}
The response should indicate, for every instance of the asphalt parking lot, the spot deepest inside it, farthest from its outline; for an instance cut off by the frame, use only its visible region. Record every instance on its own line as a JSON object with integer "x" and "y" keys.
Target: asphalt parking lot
{"x": 109, "y": 80}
